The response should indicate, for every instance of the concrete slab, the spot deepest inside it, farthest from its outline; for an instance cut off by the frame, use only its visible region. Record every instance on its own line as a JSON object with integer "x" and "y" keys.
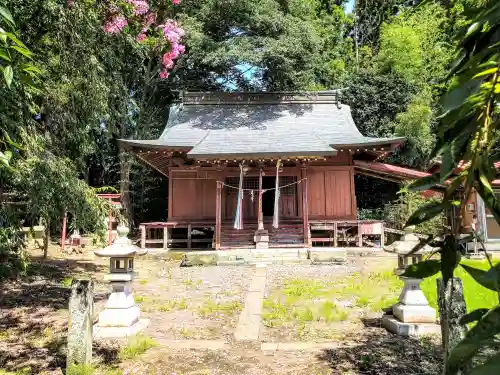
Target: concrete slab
{"x": 248, "y": 327}
{"x": 119, "y": 332}
{"x": 409, "y": 329}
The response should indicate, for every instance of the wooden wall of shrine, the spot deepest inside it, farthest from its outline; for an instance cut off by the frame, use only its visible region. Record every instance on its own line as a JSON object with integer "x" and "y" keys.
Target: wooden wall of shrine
{"x": 330, "y": 192}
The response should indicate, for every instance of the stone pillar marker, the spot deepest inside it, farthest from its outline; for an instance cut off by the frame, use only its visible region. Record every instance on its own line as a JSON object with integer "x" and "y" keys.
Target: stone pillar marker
{"x": 81, "y": 311}
{"x": 412, "y": 315}
{"x": 121, "y": 316}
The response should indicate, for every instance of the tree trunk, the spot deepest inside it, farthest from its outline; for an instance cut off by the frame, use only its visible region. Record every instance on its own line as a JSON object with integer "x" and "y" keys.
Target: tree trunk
{"x": 46, "y": 239}
{"x": 451, "y": 308}
{"x": 125, "y": 166}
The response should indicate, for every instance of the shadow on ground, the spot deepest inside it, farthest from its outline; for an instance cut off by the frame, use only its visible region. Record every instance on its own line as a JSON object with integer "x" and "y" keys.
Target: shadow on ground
{"x": 380, "y": 353}
{"x": 34, "y": 316}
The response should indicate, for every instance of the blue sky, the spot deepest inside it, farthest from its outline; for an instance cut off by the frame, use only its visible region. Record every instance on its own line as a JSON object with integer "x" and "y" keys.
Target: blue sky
{"x": 349, "y": 6}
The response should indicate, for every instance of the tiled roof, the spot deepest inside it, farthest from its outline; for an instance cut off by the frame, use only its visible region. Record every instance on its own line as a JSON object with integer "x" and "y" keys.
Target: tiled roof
{"x": 263, "y": 124}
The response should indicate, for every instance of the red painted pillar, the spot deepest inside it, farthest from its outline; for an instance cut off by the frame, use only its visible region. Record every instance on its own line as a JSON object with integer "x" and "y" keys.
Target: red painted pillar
{"x": 218, "y": 215}
{"x": 63, "y": 232}
{"x": 305, "y": 206}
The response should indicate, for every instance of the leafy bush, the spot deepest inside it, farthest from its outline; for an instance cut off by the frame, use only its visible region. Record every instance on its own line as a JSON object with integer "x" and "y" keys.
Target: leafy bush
{"x": 13, "y": 256}
{"x": 397, "y": 214}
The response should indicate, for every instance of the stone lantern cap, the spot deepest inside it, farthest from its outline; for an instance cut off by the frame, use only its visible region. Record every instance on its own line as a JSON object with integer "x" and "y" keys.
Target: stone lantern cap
{"x": 123, "y": 247}
{"x": 407, "y": 243}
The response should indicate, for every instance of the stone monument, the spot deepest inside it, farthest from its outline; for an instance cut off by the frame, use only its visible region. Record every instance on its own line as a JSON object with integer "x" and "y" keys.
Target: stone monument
{"x": 121, "y": 316}
{"x": 81, "y": 311}
{"x": 412, "y": 315}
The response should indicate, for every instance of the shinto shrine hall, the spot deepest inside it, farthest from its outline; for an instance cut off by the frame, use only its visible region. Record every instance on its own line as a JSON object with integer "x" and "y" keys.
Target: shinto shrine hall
{"x": 260, "y": 170}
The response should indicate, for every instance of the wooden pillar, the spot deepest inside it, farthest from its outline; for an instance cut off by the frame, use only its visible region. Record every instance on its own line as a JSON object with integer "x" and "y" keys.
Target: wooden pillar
{"x": 165, "y": 238}
{"x": 305, "y": 206}
{"x": 110, "y": 227}
{"x": 360, "y": 235}
{"x": 218, "y": 215}
{"x": 382, "y": 236}
{"x": 260, "y": 214}
{"x": 335, "y": 234}
{"x": 63, "y": 232}
{"x": 143, "y": 236}
{"x": 189, "y": 245}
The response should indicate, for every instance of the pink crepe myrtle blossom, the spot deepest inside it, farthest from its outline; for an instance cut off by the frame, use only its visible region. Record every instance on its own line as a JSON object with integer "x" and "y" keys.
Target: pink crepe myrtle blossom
{"x": 176, "y": 2}
{"x": 115, "y": 24}
{"x": 140, "y": 7}
{"x": 141, "y": 37}
{"x": 164, "y": 74}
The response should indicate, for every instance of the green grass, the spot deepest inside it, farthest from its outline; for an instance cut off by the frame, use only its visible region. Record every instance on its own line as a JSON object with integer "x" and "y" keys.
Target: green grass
{"x": 91, "y": 370}
{"x": 299, "y": 300}
{"x": 173, "y": 305}
{"x": 23, "y": 371}
{"x": 66, "y": 282}
{"x": 81, "y": 370}
{"x": 136, "y": 346}
{"x": 212, "y": 308}
{"x": 476, "y": 296}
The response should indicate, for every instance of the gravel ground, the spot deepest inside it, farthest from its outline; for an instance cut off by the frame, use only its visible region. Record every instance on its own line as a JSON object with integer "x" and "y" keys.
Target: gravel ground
{"x": 193, "y": 303}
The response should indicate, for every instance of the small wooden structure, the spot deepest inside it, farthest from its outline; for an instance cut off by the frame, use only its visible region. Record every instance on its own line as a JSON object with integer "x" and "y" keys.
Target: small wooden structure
{"x": 271, "y": 167}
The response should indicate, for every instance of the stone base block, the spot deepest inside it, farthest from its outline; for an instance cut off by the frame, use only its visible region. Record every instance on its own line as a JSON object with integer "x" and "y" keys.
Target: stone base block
{"x": 414, "y": 314}
{"x": 409, "y": 329}
{"x": 119, "y": 317}
{"x": 327, "y": 255}
{"x": 118, "y": 332}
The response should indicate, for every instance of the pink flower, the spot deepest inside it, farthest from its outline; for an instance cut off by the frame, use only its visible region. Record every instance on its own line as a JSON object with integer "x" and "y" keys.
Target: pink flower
{"x": 140, "y": 6}
{"x": 176, "y": 2}
{"x": 172, "y": 31}
{"x": 180, "y": 48}
{"x": 115, "y": 24}
{"x": 164, "y": 74}
{"x": 167, "y": 61}
{"x": 141, "y": 37}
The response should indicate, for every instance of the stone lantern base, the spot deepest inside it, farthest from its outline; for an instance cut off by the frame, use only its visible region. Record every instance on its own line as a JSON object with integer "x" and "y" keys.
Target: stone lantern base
{"x": 412, "y": 315}
{"x": 121, "y": 316}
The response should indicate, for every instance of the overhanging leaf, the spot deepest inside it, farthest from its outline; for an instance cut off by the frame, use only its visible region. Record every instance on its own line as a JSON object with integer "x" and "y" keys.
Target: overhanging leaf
{"x": 4, "y": 55}
{"x": 477, "y": 337}
{"x": 489, "y": 279}
{"x": 425, "y": 213}
{"x": 423, "y": 269}
{"x": 23, "y": 51}
{"x": 424, "y": 183}
{"x": 490, "y": 199}
{"x": 491, "y": 366}
{"x": 6, "y": 15}
{"x": 473, "y": 316}
{"x": 8, "y": 74}
{"x": 450, "y": 257}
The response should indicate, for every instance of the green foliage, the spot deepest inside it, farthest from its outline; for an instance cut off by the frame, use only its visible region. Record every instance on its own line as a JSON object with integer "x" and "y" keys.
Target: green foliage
{"x": 423, "y": 269}
{"x": 468, "y": 132}
{"x": 14, "y": 259}
{"x": 81, "y": 370}
{"x": 292, "y": 44}
{"x": 137, "y": 345}
{"x": 399, "y": 212}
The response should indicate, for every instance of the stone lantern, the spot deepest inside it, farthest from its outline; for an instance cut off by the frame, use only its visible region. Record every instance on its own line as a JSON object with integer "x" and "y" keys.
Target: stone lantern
{"x": 412, "y": 315}
{"x": 404, "y": 246}
{"x": 121, "y": 316}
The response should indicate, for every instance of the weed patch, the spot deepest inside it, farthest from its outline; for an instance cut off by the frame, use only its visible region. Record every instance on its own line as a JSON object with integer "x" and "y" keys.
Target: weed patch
{"x": 211, "y": 308}
{"x": 136, "y": 346}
